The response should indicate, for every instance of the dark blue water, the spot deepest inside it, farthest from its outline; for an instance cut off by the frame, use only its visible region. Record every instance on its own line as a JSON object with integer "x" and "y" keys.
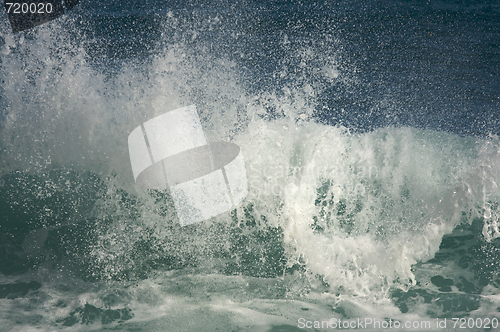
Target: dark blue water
{"x": 424, "y": 64}
{"x": 410, "y": 89}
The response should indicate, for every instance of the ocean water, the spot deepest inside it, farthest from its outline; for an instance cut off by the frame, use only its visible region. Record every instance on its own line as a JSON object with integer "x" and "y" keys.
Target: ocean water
{"x": 369, "y": 131}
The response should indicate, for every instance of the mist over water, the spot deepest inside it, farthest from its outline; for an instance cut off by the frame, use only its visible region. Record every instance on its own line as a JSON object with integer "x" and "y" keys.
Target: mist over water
{"x": 369, "y": 134}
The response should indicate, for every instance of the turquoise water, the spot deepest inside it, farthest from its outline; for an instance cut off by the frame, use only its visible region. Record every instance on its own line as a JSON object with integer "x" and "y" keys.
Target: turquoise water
{"x": 369, "y": 134}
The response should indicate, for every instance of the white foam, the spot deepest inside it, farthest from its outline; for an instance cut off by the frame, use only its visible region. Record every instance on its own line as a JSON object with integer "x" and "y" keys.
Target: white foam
{"x": 389, "y": 195}
{"x": 401, "y": 189}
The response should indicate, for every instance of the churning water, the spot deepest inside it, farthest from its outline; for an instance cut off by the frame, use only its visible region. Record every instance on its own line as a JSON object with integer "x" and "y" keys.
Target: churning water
{"x": 369, "y": 134}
